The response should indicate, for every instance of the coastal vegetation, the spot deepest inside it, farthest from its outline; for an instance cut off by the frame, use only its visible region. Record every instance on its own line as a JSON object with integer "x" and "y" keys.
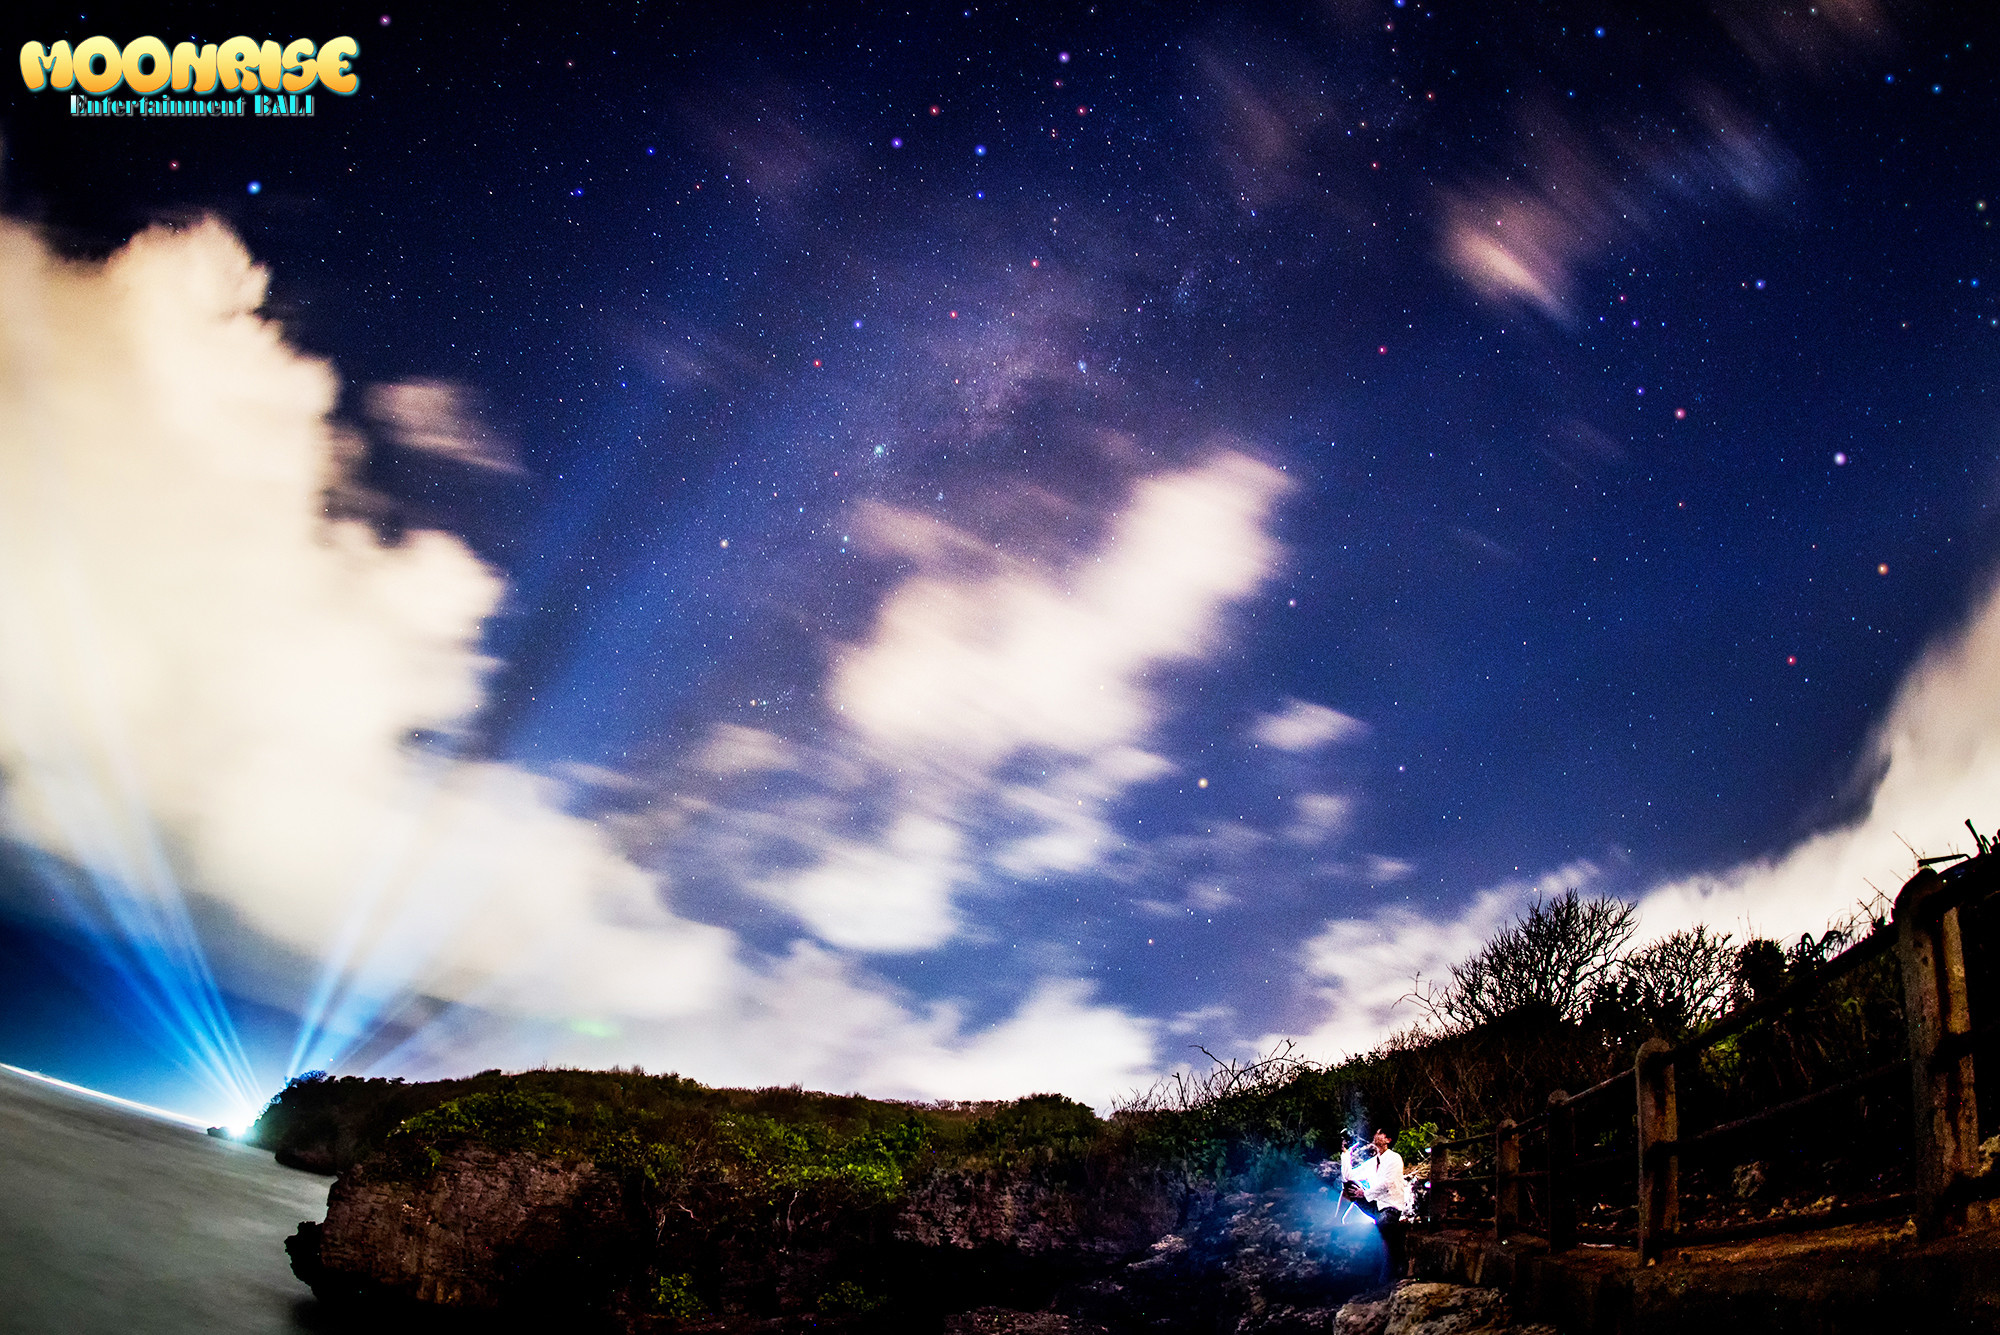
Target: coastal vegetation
{"x": 629, "y": 1118}
{"x": 1556, "y": 1000}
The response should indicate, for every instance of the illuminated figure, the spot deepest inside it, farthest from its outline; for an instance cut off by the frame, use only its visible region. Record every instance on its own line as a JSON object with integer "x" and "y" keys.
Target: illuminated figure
{"x": 1376, "y": 1183}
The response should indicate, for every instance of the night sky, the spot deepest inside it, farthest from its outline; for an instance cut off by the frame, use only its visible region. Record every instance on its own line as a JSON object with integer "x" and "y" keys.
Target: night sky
{"x": 953, "y": 552}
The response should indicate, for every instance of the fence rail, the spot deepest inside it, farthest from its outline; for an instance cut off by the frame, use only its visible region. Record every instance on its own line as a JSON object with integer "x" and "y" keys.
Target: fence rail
{"x": 1926, "y": 938}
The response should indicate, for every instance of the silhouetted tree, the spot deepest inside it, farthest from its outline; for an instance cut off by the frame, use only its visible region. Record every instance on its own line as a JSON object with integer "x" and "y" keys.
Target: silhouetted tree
{"x": 1553, "y": 958}
{"x": 1759, "y": 972}
{"x": 1671, "y": 986}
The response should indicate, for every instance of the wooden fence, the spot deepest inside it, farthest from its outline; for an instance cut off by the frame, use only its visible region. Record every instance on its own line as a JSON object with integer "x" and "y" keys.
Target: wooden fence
{"x": 1642, "y": 1111}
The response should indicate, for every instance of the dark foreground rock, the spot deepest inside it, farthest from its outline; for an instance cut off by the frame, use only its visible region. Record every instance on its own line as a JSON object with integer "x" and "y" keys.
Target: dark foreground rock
{"x": 1264, "y": 1263}
{"x": 1039, "y": 1208}
{"x": 1417, "y": 1307}
{"x": 1854, "y": 1279}
{"x": 1007, "y": 1321}
{"x": 1410, "y": 1308}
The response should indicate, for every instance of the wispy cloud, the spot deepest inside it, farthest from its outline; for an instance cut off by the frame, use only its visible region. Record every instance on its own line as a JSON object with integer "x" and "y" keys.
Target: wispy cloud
{"x": 1521, "y": 234}
{"x": 437, "y": 417}
{"x": 1266, "y": 112}
{"x": 1520, "y": 237}
{"x": 733, "y": 750}
{"x": 1813, "y": 39}
{"x": 1317, "y": 817}
{"x": 761, "y": 136}
{"x": 1068, "y": 812}
{"x": 1304, "y": 726}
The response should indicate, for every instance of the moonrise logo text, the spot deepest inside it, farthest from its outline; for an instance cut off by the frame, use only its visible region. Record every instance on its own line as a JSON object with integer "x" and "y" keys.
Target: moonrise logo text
{"x": 267, "y": 78}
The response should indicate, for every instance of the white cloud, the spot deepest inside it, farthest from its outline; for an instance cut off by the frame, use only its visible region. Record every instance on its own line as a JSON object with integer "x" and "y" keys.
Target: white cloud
{"x": 1070, "y": 808}
{"x": 977, "y": 669}
{"x": 977, "y": 660}
{"x": 205, "y": 683}
{"x": 733, "y": 749}
{"x": 1055, "y": 1041}
{"x": 1369, "y": 967}
{"x": 892, "y": 895}
{"x": 1938, "y": 752}
{"x": 1304, "y": 726}
{"x": 1210, "y": 898}
{"x": 209, "y": 683}
{"x": 813, "y": 1018}
{"x": 585, "y": 775}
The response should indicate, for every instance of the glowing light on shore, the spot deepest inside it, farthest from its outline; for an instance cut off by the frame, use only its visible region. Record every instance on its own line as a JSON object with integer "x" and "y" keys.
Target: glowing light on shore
{"x": 135, "y": 917}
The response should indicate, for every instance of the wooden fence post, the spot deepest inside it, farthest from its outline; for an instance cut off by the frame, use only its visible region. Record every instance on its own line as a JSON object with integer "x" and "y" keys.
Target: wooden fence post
{"x": 1659, "y": 1163}
{"x": 1506, "y": 1179}
{"x": 1437, "y": 1201}
{"x": 1562, "y": 1173}
{"x": 1945, "y": 1110}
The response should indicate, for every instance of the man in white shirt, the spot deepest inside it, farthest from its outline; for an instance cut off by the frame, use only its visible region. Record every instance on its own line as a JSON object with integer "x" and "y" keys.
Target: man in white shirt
{"x": 1377, "y": 1185}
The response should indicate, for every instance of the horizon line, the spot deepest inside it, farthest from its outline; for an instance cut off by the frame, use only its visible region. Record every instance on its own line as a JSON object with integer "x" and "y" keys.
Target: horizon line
{"x": 183, "y": 1118}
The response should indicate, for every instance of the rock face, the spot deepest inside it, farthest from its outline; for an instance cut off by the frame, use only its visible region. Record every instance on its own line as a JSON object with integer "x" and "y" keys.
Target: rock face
{"x": 1039, "y": 1208}
{"x": 517, "y": 1233}
{"x": 1007, "y": 1321}
{"x": 1268, "y": 1263}
{"x": 1363, "y": 1316}
{"x": 1415, "y": 1307}
{"x": 1036, "y": 1248}
{"x": 1445, "y": 1309}
{"x": 484, "y": 1231}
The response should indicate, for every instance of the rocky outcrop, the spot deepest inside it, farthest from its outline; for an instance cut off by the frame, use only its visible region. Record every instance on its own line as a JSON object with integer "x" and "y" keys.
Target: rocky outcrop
{"x": 516, "y": 1232}
{"x": 1007, "y": 1321}
{"x": 1265, "y": 1263}
{"x": 1415, "y": 1307}
{"x": 1037, "y": 1247}
{"x": 1363, "y": 1316}
{"x": 1038, "y": 1206}
{"x": 483, "y": 1232}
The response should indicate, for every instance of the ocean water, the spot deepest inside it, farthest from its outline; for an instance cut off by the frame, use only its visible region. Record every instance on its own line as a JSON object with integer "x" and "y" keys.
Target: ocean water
{"x": 116, "y": 1222}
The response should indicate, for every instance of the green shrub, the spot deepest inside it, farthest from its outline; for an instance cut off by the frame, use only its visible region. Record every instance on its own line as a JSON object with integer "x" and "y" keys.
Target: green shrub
{"x": 1414, "y": 1142}
{"x": 847, "y": 1299}
{"x": 508, "y": 1119}
{"x": 674, "y": 1297}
